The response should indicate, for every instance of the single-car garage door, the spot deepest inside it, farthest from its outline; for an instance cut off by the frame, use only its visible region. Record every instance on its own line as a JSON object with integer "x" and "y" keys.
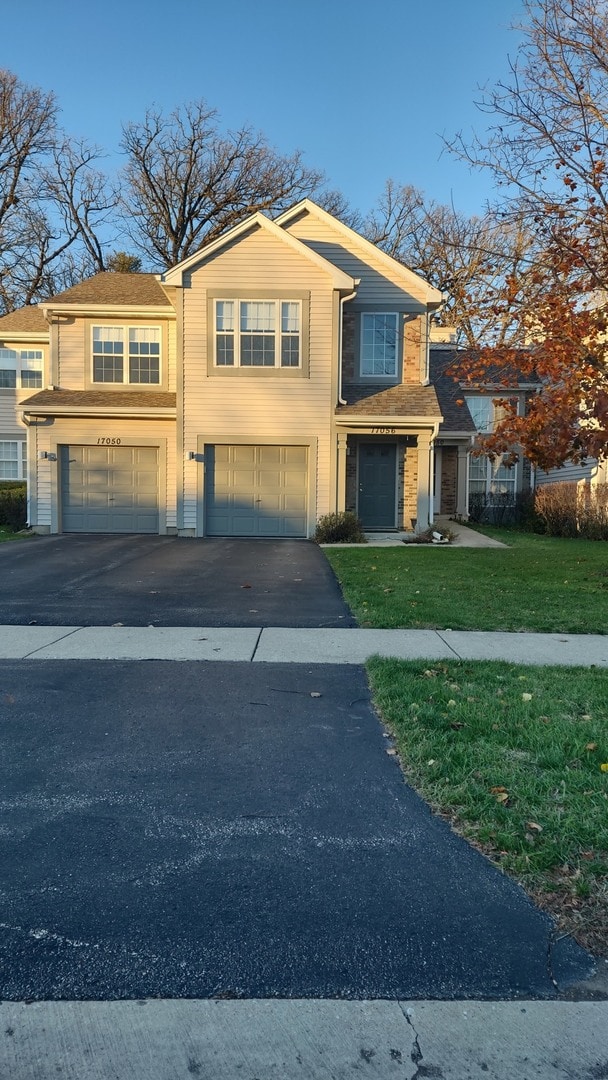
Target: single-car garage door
{"x": 256, "y": 490}
{"x": 109, "y": 489}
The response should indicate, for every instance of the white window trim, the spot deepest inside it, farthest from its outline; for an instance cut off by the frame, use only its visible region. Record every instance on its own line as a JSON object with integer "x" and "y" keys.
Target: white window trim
{"x": 489, "y": 479}
{"x": 22, "y": 360}
{"x": 381, "y": 378}
{"x": 125, "y": 328}
{"x": 21, "y": 459}
{"x": 237, "y": 333}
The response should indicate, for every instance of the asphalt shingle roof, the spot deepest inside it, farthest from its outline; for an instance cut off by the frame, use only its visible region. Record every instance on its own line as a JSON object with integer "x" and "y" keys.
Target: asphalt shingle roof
{"x": 115, "y": 289}
{"x": 27, "y": 320}
{"x": 401, "y": 400}
{"x": 101, "y": 399}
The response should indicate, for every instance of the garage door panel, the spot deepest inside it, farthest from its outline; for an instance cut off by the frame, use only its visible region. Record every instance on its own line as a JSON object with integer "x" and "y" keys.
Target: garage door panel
{"x": 109, "y": 489}
{"x": 256, "y": 490}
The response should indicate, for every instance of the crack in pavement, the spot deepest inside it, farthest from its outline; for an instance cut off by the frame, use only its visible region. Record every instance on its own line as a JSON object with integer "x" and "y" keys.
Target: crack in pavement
{"x": 423, "y": 1072}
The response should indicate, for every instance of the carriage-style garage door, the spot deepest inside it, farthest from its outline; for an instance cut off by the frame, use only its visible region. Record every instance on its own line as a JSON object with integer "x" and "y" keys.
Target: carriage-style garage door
{"x": 256, "y": 490}
{"x": 109, "y": 489}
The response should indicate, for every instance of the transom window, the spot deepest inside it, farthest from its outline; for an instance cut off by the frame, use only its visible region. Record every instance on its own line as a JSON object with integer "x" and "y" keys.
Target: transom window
{"x": 379, "y": 344}
{"x": 21, "y": 367}
{"x": 258, "y": 333}
{"x": 13, "y": 455}
{"x": 126, "y": 354}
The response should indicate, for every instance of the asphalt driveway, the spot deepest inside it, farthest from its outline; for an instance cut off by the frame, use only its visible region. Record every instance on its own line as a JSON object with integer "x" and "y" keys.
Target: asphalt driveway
{"x": 167, "y": 581}
{"x": 236, "y": 830}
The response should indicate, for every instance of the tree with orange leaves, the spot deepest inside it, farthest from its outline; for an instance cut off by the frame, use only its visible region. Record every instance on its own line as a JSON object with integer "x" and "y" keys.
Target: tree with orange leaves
{"x": 548, "y": 153}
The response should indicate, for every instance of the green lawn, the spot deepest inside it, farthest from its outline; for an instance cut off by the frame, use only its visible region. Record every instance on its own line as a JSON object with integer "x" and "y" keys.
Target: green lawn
{"x": 537, "y": 583}
{"x": 513, "y": 757}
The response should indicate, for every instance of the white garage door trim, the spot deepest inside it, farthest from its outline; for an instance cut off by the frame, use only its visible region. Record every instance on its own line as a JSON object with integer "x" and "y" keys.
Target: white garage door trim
{"x": 92, "y": 479}
{"x": 282, "y": 501}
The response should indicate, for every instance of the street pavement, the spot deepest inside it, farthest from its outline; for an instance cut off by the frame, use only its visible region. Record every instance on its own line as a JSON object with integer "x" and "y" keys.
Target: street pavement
{"x": 210, "y": 871}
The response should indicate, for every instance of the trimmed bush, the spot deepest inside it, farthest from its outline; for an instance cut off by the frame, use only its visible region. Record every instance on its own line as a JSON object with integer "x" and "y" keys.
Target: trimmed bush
{"x": 342, "y": 528}
{"x": 13, "y": 506}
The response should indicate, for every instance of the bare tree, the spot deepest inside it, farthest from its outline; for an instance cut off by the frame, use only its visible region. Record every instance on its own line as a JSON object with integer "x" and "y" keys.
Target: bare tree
{"x": 468, "y": 258}
{"x": 54, "y": 202}
{"x": 186, "y": 182}
{"x": 546, "y": 146}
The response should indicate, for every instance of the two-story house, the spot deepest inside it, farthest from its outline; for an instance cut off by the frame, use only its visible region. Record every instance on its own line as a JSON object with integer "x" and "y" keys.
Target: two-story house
{"x": 280, "y": 373}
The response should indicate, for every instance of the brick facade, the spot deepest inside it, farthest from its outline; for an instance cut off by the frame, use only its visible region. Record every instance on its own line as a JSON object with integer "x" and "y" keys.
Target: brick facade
{"x": 449, "y": 470}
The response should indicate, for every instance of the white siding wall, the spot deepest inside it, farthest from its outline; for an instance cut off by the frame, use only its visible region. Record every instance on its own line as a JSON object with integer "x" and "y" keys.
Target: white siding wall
{"x": 73, "y": 354}
{"x": 86, "y": 432}
{"x": 378, "y": 283}
{"x": 222, "y": 409}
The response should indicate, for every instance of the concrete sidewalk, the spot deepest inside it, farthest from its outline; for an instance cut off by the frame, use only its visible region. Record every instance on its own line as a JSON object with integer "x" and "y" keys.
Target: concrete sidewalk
{"x": 285, "y": 645}
{"x": 304, "y": 1040}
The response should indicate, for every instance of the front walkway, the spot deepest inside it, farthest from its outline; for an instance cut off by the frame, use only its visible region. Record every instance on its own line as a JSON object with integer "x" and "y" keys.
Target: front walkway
{"x": 295, "y": 646}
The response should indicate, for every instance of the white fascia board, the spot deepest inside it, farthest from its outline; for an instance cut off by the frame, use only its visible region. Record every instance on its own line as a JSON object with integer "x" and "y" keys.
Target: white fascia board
{"x": 339, "y": 278}
{"x": 408, "y": 421}
{"x": 110, "y": 311}
{"x": 434, "y": 297}
{"x": 95, "y": 413}
{"x": 25, "y": 335}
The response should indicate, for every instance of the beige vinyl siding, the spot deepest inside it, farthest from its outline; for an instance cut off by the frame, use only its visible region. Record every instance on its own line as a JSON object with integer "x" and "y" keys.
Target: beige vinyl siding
{"x": 86, "y": 431}
{"x": 248, "y": 407}
{"x": 74, "y": 350}
{"x": 72, "y": 354}
{"x": 10, "y": 413}
{"x": 379, "y": 285}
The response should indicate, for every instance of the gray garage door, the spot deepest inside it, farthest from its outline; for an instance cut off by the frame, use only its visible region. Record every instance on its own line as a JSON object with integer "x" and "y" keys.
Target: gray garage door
{"x": 109, "y": 489}
{"x": 256, "y": 490}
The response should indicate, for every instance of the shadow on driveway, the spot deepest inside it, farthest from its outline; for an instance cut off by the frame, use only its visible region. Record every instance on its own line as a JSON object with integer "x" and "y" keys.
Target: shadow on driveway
{"x": 168, "y": 581}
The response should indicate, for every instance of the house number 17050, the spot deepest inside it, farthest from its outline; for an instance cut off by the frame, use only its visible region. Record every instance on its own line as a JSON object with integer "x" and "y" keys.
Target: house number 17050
{"x": 108, "y": 442}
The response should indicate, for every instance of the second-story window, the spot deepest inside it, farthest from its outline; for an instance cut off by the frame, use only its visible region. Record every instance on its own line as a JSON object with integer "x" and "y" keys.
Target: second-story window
{"x": 21, "y": 368}
{"x": 379, "y": 344}
{"x": 128, "y": 354}
{"x": 257, "y": 333}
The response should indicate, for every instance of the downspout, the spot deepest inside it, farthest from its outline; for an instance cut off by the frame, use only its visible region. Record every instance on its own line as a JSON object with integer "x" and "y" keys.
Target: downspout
{"x": 343, "y": 301}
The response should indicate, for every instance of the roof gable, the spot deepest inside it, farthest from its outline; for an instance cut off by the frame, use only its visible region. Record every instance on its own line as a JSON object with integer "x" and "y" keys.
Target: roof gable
{"x": 175, "y": 276}
{"x": 353, "y": 240}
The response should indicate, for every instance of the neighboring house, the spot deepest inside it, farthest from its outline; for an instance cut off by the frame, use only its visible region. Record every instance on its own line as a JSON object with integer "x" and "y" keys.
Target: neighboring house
{"x": 463, "y": 478}
{"x": 278, "y": 374}
{"x": 24, "y": 347}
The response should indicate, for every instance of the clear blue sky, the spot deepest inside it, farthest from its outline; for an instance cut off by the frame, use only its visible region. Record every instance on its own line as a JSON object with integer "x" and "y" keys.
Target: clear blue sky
{"x": 364, "y": 89}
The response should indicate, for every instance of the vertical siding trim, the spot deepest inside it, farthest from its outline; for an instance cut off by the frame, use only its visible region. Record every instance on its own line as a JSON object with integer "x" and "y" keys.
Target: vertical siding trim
{"x": 180, "y": 430}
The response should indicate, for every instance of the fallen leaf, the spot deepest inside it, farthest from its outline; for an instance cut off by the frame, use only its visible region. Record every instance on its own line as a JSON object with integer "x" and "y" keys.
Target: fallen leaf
{"x": 456, "y": 726}
{"x": 534, "y": 826}
{"x": 502, "y": 797}
{"x": 604, "y": 766}
{"x": 591, "y": 746}
{"x": 315, "y": 693}
{"x": 391, "y": 750}
{"x": 526, "y": 697}
{"x": 451, "y": 702}
{"x": 498, "y": 790}
{"x": 585, "y": 716}
{"x": 245, "y": 586}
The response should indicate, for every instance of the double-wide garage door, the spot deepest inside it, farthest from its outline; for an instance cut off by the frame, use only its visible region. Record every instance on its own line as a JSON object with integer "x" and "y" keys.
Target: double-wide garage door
{"x": 109, "y": 489}
{"x": 256, "y": 490}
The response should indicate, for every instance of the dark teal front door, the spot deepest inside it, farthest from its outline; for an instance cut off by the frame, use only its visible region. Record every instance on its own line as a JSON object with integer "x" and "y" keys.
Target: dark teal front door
{"x": 377, "y": 487}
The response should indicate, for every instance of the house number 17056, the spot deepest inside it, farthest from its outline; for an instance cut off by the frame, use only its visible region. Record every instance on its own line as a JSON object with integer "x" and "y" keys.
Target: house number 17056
{"x": 108, "y": 442}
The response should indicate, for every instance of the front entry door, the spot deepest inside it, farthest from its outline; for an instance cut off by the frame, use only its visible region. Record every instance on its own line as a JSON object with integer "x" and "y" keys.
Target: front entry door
{"x": 377, "y": 476}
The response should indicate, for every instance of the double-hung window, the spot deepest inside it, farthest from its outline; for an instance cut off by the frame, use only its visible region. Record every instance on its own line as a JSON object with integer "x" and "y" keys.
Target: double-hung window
{"x": 379, "y": 344}
{"x": 491, "y": 479}
{"x": 12, "y": 459}
{"x": 21, "y": 368}
{"x": 126, "y": 354}
{"x": 258, "y": 333}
